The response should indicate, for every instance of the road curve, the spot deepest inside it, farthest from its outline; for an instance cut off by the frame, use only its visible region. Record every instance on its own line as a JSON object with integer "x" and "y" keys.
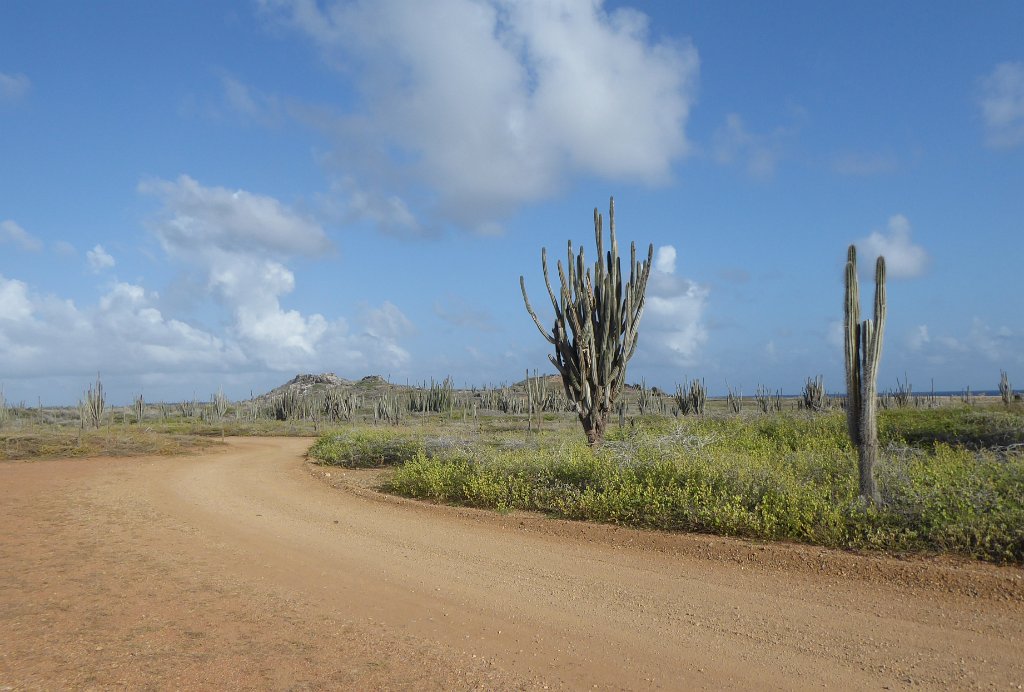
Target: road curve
{"x": 245, "y": 568}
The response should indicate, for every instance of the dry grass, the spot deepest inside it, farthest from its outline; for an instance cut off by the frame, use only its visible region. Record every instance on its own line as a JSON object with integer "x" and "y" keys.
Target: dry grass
{"x": 39, "y": 441}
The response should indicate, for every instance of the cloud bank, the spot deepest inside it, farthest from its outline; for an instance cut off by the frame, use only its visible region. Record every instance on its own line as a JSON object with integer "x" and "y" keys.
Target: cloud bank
{"x": 470, "y": 109}
{"x": 238, "y": 243}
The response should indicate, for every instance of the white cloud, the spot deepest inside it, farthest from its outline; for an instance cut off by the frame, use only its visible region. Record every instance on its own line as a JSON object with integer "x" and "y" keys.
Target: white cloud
{"x": 99, "y": 259}
{"x": 13, "y": 86}
{"x": 483, "y": 106}
{"x": 665, "y": 260}
{"x": 903, "y": 259}
{"x": 197, "y": 219}
{"x": 10, "y": 232}
{"x": 672, "y": 330}
{"x": 44, "y": 335}
{"x": 239, "y": 242}
{"x": 1002, "y": 105}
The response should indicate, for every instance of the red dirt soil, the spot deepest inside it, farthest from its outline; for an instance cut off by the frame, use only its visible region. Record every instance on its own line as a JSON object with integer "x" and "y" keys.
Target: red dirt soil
{"x": 245, "y": 567}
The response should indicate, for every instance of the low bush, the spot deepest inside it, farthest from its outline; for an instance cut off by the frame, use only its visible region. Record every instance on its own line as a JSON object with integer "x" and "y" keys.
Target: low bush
{"x": 366, "y": 447}
{"x": 785, "y": 478}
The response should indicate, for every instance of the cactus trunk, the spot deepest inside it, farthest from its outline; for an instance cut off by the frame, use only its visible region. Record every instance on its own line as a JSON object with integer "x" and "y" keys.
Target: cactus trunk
{"x": 595, "y": 329}
{"x": 863, "y": 352}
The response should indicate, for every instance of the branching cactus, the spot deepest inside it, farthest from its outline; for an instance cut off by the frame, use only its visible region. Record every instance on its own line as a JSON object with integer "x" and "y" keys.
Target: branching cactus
{"x": 95, "y": 403}
{"x": 595, "y": 329}
{"x": 863, "y": 351}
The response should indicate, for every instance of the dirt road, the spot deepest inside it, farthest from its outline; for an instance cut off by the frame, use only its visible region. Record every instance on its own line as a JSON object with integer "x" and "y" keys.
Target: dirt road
{"x": 241, "y": 568}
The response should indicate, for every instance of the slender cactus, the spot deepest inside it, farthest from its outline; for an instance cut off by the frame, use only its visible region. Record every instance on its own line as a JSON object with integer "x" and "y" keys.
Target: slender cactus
{"x": 595, "y": 328}
{"x": 698, "y": 396}
{"x": 734, "y": 398}
{"x": 863, "y": 351}
{"x": 644, "y": 398}
{"x": 1005, "y": 390}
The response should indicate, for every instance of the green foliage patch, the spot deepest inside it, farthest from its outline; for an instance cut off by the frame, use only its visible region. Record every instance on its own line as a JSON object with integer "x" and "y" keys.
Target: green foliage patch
{"x": 781, "y": 477}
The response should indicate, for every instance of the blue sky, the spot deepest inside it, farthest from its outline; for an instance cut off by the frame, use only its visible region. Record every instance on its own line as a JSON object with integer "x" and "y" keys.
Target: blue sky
{"x": 204, "y": 194}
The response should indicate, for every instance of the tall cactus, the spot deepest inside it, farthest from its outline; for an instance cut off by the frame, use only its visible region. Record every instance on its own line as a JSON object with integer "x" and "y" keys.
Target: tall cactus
{"x": 595, "y": 329}
{"x": 863, "y": 351}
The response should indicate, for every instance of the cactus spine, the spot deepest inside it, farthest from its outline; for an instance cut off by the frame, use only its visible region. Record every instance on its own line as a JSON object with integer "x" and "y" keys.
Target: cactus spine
{"x": 863, "y": 351}
{"x": 595, "y": 329}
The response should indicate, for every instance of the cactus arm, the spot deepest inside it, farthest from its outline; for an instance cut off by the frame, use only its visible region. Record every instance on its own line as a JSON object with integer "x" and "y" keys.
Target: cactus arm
{"x": 880, "y": 311}
{"x": 851, "y": 347}
{"x": 529, "y": 309}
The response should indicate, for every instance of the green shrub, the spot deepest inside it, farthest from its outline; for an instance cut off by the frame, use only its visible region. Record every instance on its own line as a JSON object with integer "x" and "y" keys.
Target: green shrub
{"x": 779, "y": 478}
{"x": 366, "y": 447}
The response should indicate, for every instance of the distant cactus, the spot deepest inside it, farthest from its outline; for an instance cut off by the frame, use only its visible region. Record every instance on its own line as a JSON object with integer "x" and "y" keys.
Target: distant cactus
{"x": 287, "y": 405}
{"x": 140, "y": 409}
{"x": 596, "y": 322}
{"x": 436, "y": 398}
{"x": 387, "y": 409}
{"x": 734, "y": 398}
{"x": 219, "y": 404}
{"x": 644, "y": 398}
{"x": 863, "y": 352}
{"x": 188, "y": 408}
{"x": 691, "y": 397}
{"x": 95, "y": 403}
{"x": 813, "y": 398}
{"x": 1005, "y": 390}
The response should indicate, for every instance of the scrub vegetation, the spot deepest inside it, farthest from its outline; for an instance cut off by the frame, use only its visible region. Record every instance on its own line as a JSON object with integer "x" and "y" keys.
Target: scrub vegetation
{"x": 949, "y": 479}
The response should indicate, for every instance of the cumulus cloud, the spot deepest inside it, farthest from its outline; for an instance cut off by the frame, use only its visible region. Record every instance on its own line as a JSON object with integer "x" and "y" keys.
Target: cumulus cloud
{"x": 45, "y": 335}
{"x": 471, "y": 108}
{"x": 239, "y": 242}
{"x": 99, "y": 259}
{"x": 673, "y": 330}
{"x": 10, "y": 232}
{"x": 903, "y": 259}
{"x": 13, "y": 87}
{"x": 1002, "y": 105}
{"x": 196, "y": 218}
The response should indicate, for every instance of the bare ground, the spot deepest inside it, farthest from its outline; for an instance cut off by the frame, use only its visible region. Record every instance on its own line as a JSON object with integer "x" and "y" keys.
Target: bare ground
{"x": 245, "y": 568}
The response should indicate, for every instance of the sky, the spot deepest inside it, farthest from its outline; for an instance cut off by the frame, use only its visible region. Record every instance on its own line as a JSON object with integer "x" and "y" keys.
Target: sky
{"x": 200, "y": 194}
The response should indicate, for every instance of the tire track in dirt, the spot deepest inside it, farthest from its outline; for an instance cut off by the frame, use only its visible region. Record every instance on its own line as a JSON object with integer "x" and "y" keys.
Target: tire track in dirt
{"x": 240, "y": 568}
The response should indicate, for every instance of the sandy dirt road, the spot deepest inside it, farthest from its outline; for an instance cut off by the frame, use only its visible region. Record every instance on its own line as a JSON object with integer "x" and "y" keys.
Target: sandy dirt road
{"x": 245, "y": 568}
